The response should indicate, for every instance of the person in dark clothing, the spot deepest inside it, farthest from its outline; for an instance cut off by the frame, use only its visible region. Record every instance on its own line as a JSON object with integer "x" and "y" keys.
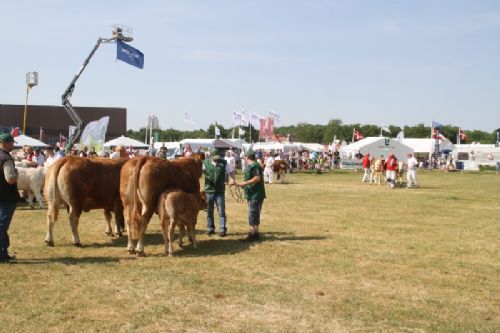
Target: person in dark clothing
{"x": 214, "y": 169}
{"x": 255, "y": 194}
{"x": 9, "y": 196}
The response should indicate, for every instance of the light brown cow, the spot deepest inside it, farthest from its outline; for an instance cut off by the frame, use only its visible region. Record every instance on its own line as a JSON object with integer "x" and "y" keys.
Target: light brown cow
{"x": 83, "y": 184}
{"x": 377, "y": 170}
{"x": 142, "y": 181}
{"x": 178, "y": 208}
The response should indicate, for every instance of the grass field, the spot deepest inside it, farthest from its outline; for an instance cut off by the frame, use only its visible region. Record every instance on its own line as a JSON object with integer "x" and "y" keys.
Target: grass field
{"x": 336, "y": 256}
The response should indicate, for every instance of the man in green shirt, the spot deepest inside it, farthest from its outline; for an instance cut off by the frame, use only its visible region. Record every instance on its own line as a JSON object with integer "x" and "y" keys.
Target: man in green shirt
{"x": 255, "y": 194}
{"x": 214, "y": 169}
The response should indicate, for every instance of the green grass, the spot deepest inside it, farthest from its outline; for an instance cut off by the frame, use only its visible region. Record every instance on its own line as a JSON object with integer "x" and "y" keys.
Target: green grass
{"x": 337, "y": 256}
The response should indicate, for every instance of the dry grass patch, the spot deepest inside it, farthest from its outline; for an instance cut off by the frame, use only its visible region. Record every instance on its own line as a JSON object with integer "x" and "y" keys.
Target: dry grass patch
{"x": 337, "y": 256}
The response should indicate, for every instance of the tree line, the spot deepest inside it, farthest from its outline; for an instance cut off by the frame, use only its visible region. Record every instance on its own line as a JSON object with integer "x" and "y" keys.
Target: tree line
{"x": 315, "y": 133}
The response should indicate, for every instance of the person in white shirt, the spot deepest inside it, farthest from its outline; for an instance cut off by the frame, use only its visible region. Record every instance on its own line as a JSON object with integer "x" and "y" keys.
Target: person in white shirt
{"x": 268, "y": 169}
{"x": 243, "y": 161}
{"x": 230, "y": 167}
{"x": 119, "y": 152}
{"x": 411, "y": 175}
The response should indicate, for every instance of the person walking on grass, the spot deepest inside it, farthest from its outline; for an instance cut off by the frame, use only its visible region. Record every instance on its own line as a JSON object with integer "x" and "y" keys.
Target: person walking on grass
{"x": 214, "y": 169}
{"x": 411, "y": 175}
{"x": 366, "y": 167}
{"x": 255, "y": 194}
{"x": 8, "y": 194}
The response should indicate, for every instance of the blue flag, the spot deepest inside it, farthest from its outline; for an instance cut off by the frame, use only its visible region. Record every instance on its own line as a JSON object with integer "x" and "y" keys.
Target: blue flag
{"x": 128, "y": 54}
{"x": 436, "y": 125}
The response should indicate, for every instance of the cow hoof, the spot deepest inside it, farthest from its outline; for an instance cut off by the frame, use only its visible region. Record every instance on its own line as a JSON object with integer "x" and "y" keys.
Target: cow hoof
{"x": 49, "y": 243}
{"x": 131, "y": 251}
{"x": 120, "y": 234}
{"x": 140, "y": 254}
{"x": 109, "y": 234}
{"x": 77, "y": 244}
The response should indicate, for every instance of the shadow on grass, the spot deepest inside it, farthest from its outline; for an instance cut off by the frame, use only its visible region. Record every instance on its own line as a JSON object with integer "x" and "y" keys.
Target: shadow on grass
{"x": 71, "y": 260}
{"x": 208, "y": 246}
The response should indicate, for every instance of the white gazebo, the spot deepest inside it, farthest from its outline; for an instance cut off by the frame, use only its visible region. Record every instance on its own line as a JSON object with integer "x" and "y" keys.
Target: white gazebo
{"x": 24, "y": 140}
{"x": 376, "y": 146}
{"x": 126, "y": 142}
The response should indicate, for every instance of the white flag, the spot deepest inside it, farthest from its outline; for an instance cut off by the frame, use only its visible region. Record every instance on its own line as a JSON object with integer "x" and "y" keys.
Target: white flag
{"x": 244, "y": 120}
{"x": 241, "y": 132}
{"x": 400, "y": 137}
{"x": 385, "y": 128}
{"x": 153, "y": 122}
{"x": 256, "y": 117}
{"x": 273, "y": 114}
{"x": 187, "y": 118}
{"x": 217, "y": 131}
{"x": 237, "y": 116}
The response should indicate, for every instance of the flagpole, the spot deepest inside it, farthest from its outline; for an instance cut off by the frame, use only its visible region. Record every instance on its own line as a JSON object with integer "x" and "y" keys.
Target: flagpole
{"x": 353, "y": 130}
{"x": 250, "y": 125}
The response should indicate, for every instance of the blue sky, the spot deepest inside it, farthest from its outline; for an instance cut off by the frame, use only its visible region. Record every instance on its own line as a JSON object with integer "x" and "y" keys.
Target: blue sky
{"x": 368, "y": 62}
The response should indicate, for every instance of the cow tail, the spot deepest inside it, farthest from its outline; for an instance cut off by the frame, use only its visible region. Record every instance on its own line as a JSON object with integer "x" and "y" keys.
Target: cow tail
{"x": 52, "y": 195}
{"x": 136, "y": 210}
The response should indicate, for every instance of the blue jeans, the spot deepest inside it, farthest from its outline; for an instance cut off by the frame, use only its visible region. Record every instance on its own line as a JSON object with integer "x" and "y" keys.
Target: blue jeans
{"x": 218, "y": 200}
{"x": 254, "y": 208}
{"x": 7, "y": 209}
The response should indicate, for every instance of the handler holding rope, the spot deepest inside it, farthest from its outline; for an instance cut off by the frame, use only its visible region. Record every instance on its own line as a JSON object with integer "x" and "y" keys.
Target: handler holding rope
{"x": 255, "y": 194}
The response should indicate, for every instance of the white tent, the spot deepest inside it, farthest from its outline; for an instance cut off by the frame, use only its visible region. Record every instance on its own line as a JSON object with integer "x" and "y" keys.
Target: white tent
{"x": 22, "y": 140}
{"x": 272, "y": 146}
{"x": 425, "y": 147}
{"x": 126, "y": 142}
{"x": 376, "y": 147}
{"x": 312, "y": 146}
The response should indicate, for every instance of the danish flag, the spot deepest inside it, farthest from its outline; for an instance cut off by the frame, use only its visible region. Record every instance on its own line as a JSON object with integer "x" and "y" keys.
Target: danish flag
{"x": 357, "y": 135}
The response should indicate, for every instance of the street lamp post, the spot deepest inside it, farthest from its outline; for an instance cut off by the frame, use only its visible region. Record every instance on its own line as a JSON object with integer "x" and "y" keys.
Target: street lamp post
{"x": 31, "y": 81}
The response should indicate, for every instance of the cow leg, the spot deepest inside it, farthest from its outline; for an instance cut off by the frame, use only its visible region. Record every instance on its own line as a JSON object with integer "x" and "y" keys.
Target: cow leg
{"x": 39, "y": 198}
{"x": 119, "y": 222}
{"x": 192, "y": 235}
{"x": 107, "y": 216}
{"x": 165, "y": 227}
{"x": 182, "y": 233}
{"x": 129, "y": 221}
{"x": 52, "y": 213}
{"x": 74, "y": 218}
{"x": 171, "y": 231}
{"x": 31, "y": 203}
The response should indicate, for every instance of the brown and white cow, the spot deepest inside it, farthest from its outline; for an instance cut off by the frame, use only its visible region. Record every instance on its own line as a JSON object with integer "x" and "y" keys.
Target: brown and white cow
{"x": 143, "y": 179}
{"x": 280, "y": 167}
{"x": 178, "y": 208}
{"x": 83, "y": 184}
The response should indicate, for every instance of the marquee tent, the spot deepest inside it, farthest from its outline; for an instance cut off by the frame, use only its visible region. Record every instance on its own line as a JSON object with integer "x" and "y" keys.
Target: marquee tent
{"x": 312, "y": 146}
{"x": 424, "y": 148}
{"x": 126, "y": 142}
{"x": 272, "y": 146}
{"x": 22, "y": 140}
{"x": 376, "y": 147}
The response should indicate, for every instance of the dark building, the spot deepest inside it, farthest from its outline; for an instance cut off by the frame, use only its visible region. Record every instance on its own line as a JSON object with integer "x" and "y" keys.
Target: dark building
{"x": 55, "y": 120}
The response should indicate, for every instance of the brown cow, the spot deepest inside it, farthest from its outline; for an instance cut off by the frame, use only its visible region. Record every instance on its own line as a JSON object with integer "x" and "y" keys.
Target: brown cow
{"x": 83, "y": 184}
{"x": 280, "y": 167}
{"x": 143, "y": 179}
{"x": 178, "y": 208}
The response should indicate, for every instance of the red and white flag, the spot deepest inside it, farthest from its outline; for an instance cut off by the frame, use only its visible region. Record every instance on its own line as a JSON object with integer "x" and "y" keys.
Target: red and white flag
{"x": 438, "y": 136}
{"x": 462, "y": 136}
{"x": 357, "y": 135}
{"x": 15, "y": 131}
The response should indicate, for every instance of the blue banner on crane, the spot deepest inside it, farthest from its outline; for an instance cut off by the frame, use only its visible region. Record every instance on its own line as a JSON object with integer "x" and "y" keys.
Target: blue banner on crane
{"x": 128, "y": 54}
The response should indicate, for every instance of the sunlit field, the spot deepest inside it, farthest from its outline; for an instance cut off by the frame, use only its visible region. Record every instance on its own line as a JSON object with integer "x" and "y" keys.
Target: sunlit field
{"x": 336, "y": 255}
